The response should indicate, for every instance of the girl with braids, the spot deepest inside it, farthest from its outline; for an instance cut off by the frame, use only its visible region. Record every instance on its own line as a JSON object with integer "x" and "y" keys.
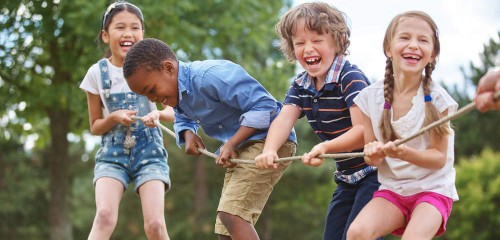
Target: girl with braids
{"x": 417, "y": 178}
{"x": 131, "y": 151}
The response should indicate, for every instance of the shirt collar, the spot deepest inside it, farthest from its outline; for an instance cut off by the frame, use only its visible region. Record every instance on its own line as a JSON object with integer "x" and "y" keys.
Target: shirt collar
{"x": 333, "y": 76}
{"x": 183, "y": 76}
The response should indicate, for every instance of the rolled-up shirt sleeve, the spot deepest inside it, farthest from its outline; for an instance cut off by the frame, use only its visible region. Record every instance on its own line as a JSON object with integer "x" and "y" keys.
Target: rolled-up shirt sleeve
{"x": 256, "y": 119}
{"x": 236, "y": 88}
{"x": 181, "y": 124}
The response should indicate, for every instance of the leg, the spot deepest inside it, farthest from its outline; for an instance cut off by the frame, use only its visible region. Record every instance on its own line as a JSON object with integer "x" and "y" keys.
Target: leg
{"x": 238, "y": 227}
{"x": 245, "y": 192}
{"x": 152, "y": 195}
{"x": 108, "y": 193}
{"x": 424, "y": 222}
{"x": 364, "y": 193}
{"x": 378, "y": 218}
{"x": 338, "y": 211}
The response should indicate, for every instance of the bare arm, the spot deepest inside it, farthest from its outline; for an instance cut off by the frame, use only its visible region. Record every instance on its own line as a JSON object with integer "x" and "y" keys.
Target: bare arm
{"x": 347, "y": 142}
{"x": 100, "y": 125}
{"x": 277, "y": 135}
{"x": 228, "y": 150}
{"x": 433, "y": 157}
{"x": 486, "y": 88}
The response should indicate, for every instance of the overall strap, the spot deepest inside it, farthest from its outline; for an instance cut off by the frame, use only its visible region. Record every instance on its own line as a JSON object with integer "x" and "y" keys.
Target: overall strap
{"x": 106, "y": 82}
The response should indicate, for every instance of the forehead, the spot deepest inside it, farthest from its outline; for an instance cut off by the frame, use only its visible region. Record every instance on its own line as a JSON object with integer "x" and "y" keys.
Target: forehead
{"x": 125, "y": 16}
{"x": 414, "y": 24}
{"x": 139, "y": 80}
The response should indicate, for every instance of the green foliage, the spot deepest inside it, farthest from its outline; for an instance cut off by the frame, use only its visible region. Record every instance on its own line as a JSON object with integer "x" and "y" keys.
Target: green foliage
{"x": 470, "y": 136}
{"x": 45, "y": 50}
{"x": 477, "y": 214}
{"x": 23, "y": 188}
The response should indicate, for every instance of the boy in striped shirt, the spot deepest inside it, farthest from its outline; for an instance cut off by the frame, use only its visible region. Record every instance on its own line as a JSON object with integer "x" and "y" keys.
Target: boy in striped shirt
{"x": 317, "y": 36}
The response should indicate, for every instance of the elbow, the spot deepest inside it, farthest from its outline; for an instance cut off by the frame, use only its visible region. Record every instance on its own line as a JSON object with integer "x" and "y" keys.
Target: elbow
{"x": 439, "y": 163}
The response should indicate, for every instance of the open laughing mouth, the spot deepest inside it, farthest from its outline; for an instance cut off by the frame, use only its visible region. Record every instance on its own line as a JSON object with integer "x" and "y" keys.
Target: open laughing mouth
{"x": 313, "y": 61}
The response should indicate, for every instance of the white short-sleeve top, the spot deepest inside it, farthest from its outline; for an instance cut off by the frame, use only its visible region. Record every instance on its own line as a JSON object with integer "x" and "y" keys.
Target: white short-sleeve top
{"x": 92, "y": 83}
{"x": 400, "y": 176}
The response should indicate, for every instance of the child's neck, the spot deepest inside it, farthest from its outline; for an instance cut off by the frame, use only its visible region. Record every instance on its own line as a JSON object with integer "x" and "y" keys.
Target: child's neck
{"x": 404, "y": 84}
{"x": 116, "y": 61}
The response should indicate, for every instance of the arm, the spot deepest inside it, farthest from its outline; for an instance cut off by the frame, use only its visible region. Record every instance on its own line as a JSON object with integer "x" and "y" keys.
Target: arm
{"x": 433, "y": 157}
{"x": 167, "y": 115}
{"x": 486, "y": 88}
{"x": 278, "y": 133}
{"x": 100, "y": 125}
{"x": 374, "y": 154}
{"x": 228, "y": 150}
{"x": 347, "y": 142}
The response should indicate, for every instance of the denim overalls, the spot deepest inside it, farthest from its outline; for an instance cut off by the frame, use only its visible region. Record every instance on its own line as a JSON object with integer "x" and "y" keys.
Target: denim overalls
{"x": 145, "y": 161}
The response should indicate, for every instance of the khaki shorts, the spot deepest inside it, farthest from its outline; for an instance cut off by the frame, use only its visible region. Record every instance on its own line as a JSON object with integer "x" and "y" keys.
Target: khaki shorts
{"x": 247, "y": 188}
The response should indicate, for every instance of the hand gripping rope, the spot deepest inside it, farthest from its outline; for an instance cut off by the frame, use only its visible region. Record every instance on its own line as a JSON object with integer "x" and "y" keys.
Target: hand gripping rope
{"x": 336, "y": 156}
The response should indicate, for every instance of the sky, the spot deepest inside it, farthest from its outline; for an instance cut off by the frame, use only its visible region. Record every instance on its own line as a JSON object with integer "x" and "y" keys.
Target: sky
{"x": 464, "y": 27}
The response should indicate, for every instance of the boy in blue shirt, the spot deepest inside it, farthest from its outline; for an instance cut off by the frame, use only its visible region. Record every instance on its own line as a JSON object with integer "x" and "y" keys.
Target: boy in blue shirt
{"x": 230, "y": 106}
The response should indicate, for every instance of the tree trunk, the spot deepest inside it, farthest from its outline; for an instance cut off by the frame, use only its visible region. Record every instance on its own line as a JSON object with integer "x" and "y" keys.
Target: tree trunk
{"x": 59, "y": 165}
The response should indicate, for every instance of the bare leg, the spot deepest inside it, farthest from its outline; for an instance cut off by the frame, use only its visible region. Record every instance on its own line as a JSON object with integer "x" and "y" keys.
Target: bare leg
{"x": 108, "y": 193}
{"x": 152, "y": 195}
{"x": 424, "y": 223}
{"x": 378, "y": 218}
{"x": 238, "y": 228}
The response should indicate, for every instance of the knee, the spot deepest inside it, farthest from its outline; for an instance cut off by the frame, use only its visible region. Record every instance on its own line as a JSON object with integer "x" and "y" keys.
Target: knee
{"x": 156, "y": 227}
{"x": 106, "y": 218}
{"x": 355, "y": 232}
{"x": 226, "y": 219}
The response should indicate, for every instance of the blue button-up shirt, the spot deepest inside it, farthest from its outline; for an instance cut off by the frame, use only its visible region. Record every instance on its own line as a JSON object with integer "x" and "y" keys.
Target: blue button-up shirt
{"x": 220, "y": 96}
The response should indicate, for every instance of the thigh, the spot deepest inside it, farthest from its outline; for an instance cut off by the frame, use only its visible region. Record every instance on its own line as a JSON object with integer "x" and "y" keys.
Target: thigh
{"x": 378, "y": 218}
{"x": 247, "y": 188}
{"x": 424, "y": 222}
{"x": 108, "y": 193}
{"x": 152, "y": 195}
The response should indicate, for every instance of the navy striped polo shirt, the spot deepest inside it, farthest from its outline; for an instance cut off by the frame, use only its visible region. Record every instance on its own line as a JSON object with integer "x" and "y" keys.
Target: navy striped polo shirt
{"x": 328, "y": 109}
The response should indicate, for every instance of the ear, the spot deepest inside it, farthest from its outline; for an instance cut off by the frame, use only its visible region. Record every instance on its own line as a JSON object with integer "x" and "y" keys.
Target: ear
{"x": 104, "y": 36}
{"x": 388, "y": 53}
{"x": 168, "y": 66}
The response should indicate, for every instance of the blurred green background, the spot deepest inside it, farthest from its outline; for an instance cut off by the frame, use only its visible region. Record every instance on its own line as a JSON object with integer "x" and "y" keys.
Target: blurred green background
{"x": 46, "y": 168}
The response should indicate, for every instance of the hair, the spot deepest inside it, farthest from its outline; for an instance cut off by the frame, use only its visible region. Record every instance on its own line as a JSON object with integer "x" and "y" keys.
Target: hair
{"x": 149, "y": 53}
{"x": 108, "y": 16}
{"x": 431, "y": 112}
{"x": 319, "y": 17}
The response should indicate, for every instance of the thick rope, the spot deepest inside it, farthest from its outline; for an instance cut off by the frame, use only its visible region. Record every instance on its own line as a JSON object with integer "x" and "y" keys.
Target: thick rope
{"x": 343, "y": 156}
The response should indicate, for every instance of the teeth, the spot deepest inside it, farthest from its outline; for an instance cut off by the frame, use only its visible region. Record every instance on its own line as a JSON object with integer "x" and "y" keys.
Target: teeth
{"x": 411, "y": 56}
{"x": 310, "y": 60}
{"x": 126, "y": 44}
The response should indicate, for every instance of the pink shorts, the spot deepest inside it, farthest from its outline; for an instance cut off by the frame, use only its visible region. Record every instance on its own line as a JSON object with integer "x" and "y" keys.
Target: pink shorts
{"x": 408, "y": 203}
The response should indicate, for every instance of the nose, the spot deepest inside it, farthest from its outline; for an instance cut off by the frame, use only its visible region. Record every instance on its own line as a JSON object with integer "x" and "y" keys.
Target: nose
{"x": 413, "y": 45}
{"x": 308, "y": 46}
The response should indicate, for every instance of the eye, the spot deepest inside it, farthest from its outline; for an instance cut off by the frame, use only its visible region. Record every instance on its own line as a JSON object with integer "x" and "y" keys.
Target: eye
{"x": 298, "y": 43}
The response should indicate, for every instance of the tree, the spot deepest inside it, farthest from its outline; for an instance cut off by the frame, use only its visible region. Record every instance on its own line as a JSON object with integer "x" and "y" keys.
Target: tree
{"x": 46, "y": 48}
{"x": 470, "y": 139}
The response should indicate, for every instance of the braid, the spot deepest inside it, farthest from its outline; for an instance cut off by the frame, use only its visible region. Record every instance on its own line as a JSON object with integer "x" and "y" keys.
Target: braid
{"x": 431, "y": 112}
{"x": 388, "y": 133}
